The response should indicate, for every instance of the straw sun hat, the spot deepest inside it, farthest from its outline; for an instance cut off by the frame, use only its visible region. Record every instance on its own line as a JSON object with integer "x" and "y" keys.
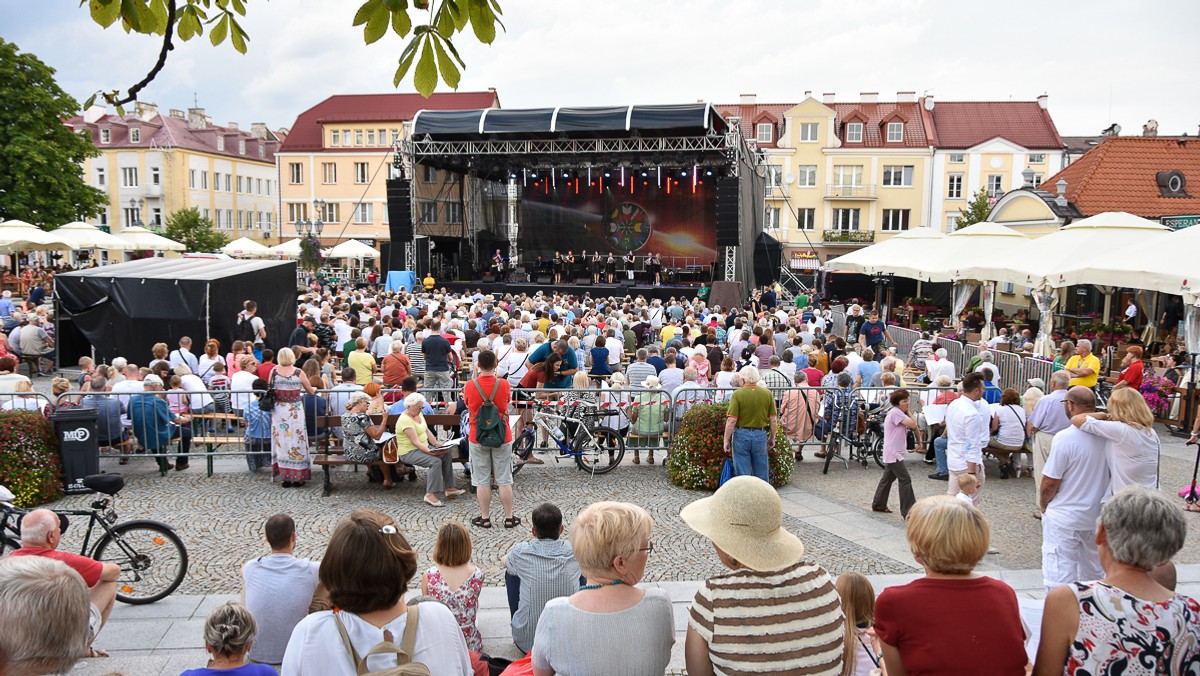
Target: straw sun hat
{"x": 745, "y": 519}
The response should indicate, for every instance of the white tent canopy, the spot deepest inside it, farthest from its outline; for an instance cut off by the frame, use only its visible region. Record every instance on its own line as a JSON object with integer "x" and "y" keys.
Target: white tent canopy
{"x": 85, "y": 236}
{"x": 974, "y": 252}
{"x": 902, "y": 255}
{"x": 245, "y": 247}
{"x": 142, "y": 239}
{"x": 289, "y": 249}
{"x": 353, "y": 249}
{"x": 22, "y": 236}
{"x": 1163, "y": 262}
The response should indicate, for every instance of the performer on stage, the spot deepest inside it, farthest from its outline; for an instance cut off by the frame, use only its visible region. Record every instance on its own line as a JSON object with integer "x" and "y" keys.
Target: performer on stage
{"x": 498, "y": 265}
{"x": 558, "y": 267}
{"x": 611, "y": 266}
{"x": 569, "y": 265}
{"x": 585, "y": 264}
{"x": 596, "y": 267}
{"x": 627, "y": 259}
{"x": 656, "y": 268}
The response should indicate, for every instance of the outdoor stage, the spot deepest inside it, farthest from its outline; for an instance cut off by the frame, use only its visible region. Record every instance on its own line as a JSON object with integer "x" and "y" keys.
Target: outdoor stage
{"x": 648, "y": 291}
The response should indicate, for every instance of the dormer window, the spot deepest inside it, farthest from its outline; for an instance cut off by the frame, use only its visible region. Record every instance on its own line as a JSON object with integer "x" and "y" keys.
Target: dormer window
{"x": 854, "y": 132}
{"x": 220, "y": 143}
{"x": 241, "y": 146}
{"x": 764, "y": 132}
{"x": 135, "y": 135}
{"x": 106, "y": 136}
{"x": 895, "y": 132}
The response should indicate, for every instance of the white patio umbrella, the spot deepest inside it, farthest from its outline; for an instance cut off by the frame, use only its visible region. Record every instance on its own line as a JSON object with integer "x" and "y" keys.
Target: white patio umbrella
{"x": 142, "y": 239}
{"x": 289, "y": 249}
{"x": 245, "y": 247}
{"x": 21, "y": 236}
{"x": 1074, "y": 254}
{"x": 353, "y": 249}
{"x": 86, "y": 236}
{"x": 902, "y": 255}
{"x": 970, "y": 255}
{"x": 1154, "y": 260}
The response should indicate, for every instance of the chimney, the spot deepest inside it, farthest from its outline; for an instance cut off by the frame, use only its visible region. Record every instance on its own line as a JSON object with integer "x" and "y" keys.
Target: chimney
{"x": 1061, "y": 187}
{"x": 232, "y": 126}
{"x": 175, "y": 112}
{"x": 197, "y": 119}
{"x": 145, "y": 111}
{"x": 929, "y": 102}
{"x": 828, "y": 97}
{"x": 748, "y": 99}
{"x": 868, "y": 97}
{"x": 259, "y": 130}
{"x": 94, "y": 114}
{"x": 1150, "y": 129}
{"x": 1043, "y": 101}
{"x": 906, "y": 97}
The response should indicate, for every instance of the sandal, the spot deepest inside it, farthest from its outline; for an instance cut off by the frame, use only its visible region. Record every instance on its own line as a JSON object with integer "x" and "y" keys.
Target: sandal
{"x": 454, "y": 492}
{"x": 482, "y": 522}
{"x": 434, "y": 502}
{"x": 95, "y": 652}
{"x": 389, "y": 484}
{"x": 512, "y": 522}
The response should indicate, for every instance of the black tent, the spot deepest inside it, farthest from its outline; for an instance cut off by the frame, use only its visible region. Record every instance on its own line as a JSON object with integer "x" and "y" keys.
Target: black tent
{"x": 125, "y": 309}
{"x": 768, "y": 255}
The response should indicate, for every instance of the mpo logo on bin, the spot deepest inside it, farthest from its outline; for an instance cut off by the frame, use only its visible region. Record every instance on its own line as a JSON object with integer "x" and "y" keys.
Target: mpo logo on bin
{"x": 80, "y": 434}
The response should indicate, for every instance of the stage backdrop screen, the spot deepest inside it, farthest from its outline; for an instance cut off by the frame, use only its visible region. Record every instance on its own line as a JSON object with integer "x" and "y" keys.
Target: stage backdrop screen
{"x": 677, "y": 221}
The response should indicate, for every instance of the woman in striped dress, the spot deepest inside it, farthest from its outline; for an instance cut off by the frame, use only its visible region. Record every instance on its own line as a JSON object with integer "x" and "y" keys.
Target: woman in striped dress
{"x": 289, "y": 439}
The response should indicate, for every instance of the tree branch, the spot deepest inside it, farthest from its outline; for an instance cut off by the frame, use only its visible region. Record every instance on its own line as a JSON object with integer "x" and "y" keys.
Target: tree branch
{"x": 167, "y": 46}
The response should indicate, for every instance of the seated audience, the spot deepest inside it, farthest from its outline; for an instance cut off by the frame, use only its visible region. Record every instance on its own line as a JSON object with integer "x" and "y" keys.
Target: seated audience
{"x": 229, "y": 635}
{"x": 279, "y": 590}
{"x": 537, "y": 571}
{"x": 455, "y": 581}
{"x": 44, "y": 612}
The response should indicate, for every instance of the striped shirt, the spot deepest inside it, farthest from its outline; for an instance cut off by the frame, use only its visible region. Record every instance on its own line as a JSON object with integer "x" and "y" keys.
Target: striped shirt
{"x": 416, "y": 358}
{"x": 785, "y": 621}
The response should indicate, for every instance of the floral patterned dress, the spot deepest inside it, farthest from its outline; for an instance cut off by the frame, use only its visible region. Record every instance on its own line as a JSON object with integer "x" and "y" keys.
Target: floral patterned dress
{"x": 1122, "y": 634}
{"x": 289, "y": 439}
{"x": 463, "y": 602}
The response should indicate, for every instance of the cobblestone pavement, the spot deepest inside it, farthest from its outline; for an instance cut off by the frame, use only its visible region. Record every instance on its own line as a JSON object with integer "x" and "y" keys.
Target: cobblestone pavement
{"x": 220, "y": 519}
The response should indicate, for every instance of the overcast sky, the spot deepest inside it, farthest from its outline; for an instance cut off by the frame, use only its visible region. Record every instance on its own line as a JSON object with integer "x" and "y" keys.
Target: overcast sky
{"x": 1100, "y": 61}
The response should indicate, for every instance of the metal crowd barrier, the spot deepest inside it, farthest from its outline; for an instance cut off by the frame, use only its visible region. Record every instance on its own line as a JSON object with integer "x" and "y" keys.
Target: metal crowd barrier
{"x": 1009, "y": 364}
{"x": 1033, "y": 367}
{"x": 904, "y": 339}
{"x": 954, "y": 352}
{"x": 25, "y": 401}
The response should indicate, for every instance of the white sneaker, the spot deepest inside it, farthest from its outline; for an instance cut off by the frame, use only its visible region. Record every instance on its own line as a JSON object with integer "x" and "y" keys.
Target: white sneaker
{"x": 993, "y": 550}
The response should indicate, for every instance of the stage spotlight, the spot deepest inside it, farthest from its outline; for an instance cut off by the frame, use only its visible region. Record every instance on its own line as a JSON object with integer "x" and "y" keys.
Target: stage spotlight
{"x": 607, "y": 175}
{"x": 644, "y": 174}
{"x": 683, "y": 173}
{"x": 533, "y": 174}
{"x": 708, "y": 173}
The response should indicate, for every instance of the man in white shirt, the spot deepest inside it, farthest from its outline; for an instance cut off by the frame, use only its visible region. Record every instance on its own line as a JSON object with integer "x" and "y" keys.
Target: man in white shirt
{"x": 132, "y": 383}
{"x": 183, "y": 355}
{"x": 939, "y": 366}
{"x": 1000, "y": 337}
{"x": 279, "y": 590}
{"x": 688, "y": 394}
{"x": 1074, "y": 481}
{"x": 382, "y": 345}
{"x": 966, "y": 434}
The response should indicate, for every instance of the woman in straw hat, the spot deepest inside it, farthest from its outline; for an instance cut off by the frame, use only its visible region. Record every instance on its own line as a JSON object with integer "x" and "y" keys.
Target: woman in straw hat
{"x": 925, "y": 625}
{"x": 769, "y": 577}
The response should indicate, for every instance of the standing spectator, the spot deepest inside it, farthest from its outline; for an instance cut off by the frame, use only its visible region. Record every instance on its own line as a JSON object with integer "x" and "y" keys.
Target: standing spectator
{"x": 1074, "y": 482}
{"x": 362, "y": 362}
{"x": 252, "y": 328}
{"x": 440, "y": 361}
{"x": 966, "y": 433}
{"x": 155, "y": 426}
{"x": 896, "y": 425}
{"x": 750, "y": 427}
{"x": 1131, "y": 444}
{"x": 455, "y": 581}
{"x": 872, "y": 334}
{"x": 768, "y": 581}
{"x": 536, "y": 572}
{"x": 799, "y": 410}
{"x": 1127, "y": 622}
{"x": 258, "y": 427}
{"x": 414, "y": 350}
{"x": 1048, "y": 419}
{"x": 299, "y": 343}
{"x": 326, "y": 336}
{"x": 183, "y": 355}
{"x": 925, "y": 624}
{"x": 44, "y": 609}
{"x": 289, "y": 438}
{"x": 490, "y": 463}
{"x": 279, "y": 590}
{"x": 612, "y": 543}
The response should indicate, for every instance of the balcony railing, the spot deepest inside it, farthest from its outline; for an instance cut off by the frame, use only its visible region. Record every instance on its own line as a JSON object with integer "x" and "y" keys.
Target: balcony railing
{"x": 848, "y": 236}
{"x": 850, "y": 192}
{"x": 777, "y": 191}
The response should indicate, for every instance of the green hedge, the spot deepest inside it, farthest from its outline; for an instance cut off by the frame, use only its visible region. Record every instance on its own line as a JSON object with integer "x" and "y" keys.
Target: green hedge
{"x": 697, "y": 451}
{"x": 29, "y": 461}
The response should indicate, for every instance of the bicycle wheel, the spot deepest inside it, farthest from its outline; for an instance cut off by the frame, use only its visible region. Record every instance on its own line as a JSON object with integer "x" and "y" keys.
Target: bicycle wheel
{"x": 522, "y": 449}
{"x": 873, "y": 447}
{"x": 831, "y": 447}
{"x": 151, "y": 556}
{"x": 602, "y": 453}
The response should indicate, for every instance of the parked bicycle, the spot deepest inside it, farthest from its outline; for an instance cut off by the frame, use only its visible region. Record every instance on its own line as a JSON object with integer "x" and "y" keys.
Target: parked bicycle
{"x": 596, "y": 450}
{"x": 860, "y": 448}
{"x": 152, "y": 558}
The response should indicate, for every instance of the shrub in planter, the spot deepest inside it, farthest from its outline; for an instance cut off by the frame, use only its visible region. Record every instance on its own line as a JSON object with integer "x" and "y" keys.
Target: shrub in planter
{"x": 697, "y": 451}
{"x": 29, "y": 463}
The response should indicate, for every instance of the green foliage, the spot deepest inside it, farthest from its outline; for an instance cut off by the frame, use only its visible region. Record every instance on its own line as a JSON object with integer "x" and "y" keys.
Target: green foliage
{"x": 431, "y": 40}
{"x": 311, "y": 258}
{"x": 189, "y": 228}
{"x": 41, "y": 173}
{"x": 29, "y": 462}
{"x": 697, "y": 451}
{"x": 977, "y": 210}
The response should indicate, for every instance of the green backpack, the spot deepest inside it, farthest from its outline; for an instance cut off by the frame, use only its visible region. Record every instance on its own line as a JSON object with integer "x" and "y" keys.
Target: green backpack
{"x": 490, "y": 430}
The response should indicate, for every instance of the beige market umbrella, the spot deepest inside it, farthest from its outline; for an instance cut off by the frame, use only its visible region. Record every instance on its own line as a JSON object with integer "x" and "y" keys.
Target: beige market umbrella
{"x": 244, "y": 247}
{"x": 353, "y": 249}
{"x": 21, "y": 236}
{"x": 143, "y": 240}
{"x": 289, "y": 249}
{"x": 85, "y": 236}
{"x": 904, "y": 255}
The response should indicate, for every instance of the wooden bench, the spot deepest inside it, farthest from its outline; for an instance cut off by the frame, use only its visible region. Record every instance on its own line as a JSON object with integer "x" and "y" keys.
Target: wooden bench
{"x": 210, "y": 441}
{"x": 333, "y": 456}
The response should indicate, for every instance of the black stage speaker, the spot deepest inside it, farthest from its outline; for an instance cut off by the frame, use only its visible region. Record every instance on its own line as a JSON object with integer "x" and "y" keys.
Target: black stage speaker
{"x": 543, "y": 280}
{"x": 583, "y": 281}
{"x": 728, "y": 212}
{"x": 627, "y": 283}
{"x": 400, "y": 220}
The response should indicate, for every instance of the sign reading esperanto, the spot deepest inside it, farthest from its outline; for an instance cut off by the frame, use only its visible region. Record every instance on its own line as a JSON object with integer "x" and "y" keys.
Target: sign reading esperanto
{"x": 1180, "y": 222}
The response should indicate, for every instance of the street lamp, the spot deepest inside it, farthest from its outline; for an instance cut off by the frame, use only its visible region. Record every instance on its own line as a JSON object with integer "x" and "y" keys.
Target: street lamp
{"x": 311, "y": 228}
{"x": 137, "y": 204}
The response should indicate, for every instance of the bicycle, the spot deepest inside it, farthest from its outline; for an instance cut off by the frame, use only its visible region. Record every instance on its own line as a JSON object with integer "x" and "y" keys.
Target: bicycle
{"x": 587, "y": 447}
{"x": 152, "y": 558}
{"x": 861, "y": 449}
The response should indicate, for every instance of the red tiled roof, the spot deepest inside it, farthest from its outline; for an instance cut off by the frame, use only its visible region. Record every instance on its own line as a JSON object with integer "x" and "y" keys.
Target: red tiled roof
{"x": 751, "y": 113}
{"x": 165, "y": 131}
{"x": 1119, "y": 175}
{"x": 306, "y": 135}
{"x": 874, "y": 134}
{"x": 964, "y": 124}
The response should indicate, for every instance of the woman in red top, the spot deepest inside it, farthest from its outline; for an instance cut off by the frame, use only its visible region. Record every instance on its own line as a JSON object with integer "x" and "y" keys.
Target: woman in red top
{"x": 1132, "y": 369}
{"x": 952, "y": 621}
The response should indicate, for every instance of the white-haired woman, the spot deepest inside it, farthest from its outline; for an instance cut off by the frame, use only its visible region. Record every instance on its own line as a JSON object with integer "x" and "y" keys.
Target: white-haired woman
{"x": 1128, "y": 622}
{"x": 412, "y": 443}
{"x": 289, "y": 438}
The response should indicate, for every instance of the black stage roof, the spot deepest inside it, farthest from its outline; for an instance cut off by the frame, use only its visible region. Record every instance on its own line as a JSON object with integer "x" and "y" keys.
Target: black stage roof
{"x": 689, "y": 119}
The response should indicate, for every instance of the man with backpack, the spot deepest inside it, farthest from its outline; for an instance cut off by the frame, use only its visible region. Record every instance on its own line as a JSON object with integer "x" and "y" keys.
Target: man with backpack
{"x": 251, "y": 328}
{"x": 487, "y": 400}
